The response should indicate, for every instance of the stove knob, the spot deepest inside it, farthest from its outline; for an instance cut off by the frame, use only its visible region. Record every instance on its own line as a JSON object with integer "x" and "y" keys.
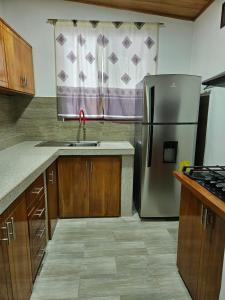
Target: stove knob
{"x": 220, "y": 185}
{"x": 212, "y": 182}
{"x": 207, "y": 179}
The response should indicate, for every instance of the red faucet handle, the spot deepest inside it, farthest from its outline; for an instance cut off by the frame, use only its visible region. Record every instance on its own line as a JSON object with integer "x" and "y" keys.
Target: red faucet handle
{"x": 82, "y": 116}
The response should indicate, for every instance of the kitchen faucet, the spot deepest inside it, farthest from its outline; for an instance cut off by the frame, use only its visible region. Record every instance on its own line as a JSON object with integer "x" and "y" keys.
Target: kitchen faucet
{"x": 82, "y": 124}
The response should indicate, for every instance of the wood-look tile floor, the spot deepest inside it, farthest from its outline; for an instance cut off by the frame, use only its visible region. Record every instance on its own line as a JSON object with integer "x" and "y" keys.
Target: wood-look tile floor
{"x": 111, "y": 259}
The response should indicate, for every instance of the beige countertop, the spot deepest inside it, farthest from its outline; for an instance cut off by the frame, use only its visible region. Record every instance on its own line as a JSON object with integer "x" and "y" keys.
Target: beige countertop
{"x": 21, "y": 164}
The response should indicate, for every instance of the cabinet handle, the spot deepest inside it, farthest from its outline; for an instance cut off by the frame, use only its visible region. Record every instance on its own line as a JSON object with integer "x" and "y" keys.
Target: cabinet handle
{"x": 41, "y": 211}
{"x": 7, "y": 239}
{"x": 41, "y": 252}
{"x": 26, "y": 81}
{"x": 21, "y": 81}
{"x": 41, "y": 232}
{"x": 51, "y": 177}
{"x": 37, "y": 190}
{"x": 91, "y": 167}
{"x": 202, "y": 214}
{"x": 13, "y": 228}
{"x": 205, "y": 223}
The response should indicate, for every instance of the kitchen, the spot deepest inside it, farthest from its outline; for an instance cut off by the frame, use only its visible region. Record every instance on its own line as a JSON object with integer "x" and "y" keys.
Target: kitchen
{"x": 105, "y": 258}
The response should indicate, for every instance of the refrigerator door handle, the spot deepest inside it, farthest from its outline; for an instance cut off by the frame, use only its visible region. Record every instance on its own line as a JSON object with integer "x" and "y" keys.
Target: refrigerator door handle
{"x": 152, "y": 99}
{"x": 151, "y": 127}
{"x": 150, "y": 146}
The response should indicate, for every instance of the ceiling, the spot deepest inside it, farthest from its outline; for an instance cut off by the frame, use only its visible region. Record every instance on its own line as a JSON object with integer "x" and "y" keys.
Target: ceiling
{"x": 181, "y": 9}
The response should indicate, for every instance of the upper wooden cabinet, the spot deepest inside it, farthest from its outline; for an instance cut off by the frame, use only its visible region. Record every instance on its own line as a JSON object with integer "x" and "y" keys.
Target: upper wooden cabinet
{"x": 18, "y": 62}
{"x": 89, "y": 186}
{"x": 3, "y": 70}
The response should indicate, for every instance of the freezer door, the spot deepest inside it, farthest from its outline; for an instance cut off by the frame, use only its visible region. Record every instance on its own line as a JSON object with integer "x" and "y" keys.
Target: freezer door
{"x": 163, "y": 148}
{"x": 172, "y": 99}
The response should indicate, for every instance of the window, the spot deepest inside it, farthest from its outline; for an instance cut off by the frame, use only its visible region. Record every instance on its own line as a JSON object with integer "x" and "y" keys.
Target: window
{"x": 99, "y": 64}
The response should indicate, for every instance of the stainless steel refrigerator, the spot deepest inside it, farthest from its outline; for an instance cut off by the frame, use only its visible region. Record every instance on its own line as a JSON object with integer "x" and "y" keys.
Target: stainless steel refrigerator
{"x": 165, "y": 136}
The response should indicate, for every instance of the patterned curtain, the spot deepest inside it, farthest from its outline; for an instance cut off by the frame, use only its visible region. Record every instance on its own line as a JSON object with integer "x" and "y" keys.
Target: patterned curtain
{"x": 99, "y": 64}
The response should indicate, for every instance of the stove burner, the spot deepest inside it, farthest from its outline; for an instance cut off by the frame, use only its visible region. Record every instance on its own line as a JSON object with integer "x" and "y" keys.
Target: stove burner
{"x": 211, "y": 178}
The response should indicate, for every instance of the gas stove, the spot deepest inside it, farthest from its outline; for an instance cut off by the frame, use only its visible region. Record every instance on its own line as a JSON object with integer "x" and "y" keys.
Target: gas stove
{"x": 211, "y": 178}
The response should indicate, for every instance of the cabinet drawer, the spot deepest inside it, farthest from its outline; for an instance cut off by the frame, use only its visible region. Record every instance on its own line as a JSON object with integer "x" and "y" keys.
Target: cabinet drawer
{"x": 37, "y": 226}
{"x": 38, "y": 256}
{"x": 34, "y": 193}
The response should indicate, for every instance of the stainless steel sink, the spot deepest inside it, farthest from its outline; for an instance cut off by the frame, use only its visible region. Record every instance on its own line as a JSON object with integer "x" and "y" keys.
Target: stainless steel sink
{"x": 84, "y": 144}
{"x": 69, "y": 144}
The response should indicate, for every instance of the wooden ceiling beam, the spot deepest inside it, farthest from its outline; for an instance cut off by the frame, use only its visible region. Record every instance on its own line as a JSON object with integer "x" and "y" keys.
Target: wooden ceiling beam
{"x": 182, "y": 9}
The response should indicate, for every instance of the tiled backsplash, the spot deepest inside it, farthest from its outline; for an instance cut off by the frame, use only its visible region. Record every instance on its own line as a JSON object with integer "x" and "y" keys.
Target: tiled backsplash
{"x": 9, "y": 134}
{"x": 36, "y": 119}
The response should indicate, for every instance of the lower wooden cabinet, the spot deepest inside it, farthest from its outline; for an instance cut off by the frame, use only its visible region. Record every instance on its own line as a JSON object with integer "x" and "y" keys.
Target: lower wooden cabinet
{"x": 104, "y": 186}
{"x": 5, "y": 279}
{"x": 52, "y": 192}
{"x": 201, "y": 245}
{"x": 6, "y": 292}
{"x": 89, "y": 186}
{"x": 212, "y": 255}
{"x": 36, "y": 214}
{"x": 15, "y": 251}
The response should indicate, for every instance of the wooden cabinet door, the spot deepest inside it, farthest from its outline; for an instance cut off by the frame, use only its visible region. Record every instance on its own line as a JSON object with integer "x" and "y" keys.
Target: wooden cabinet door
{"x": 19, "y": 62}
{"x": 14, "y": 59}
{"x": 189, "y": 240}
{"x": 3, "y": 70}
{"x": 5, "y": 279}
{"x": 73, "y": 185}
{"x": 18, "y": 250}
{"x": 52, "y": 192}
{"x": 104, "y": 194}
{"x": 27, "y": 68}
{"x": 212, "y": 255}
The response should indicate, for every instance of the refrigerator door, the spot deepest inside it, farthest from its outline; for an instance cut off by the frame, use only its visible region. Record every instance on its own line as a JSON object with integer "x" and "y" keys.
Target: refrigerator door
{"x": 171, "y": 98}
{"x": 163, "y": 147}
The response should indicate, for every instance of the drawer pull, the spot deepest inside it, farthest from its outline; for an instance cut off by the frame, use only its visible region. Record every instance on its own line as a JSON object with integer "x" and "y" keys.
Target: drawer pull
{"x": 26, "y": 81}
{"x": 7, "y": 239}
{"x": 37, "y": 190}
{"x": 51, "y": 177}
{"x": 86, "y": 165}
{"x": 13, "y": 228}
{"x": 39, "y": 212}
{"x": 9, "y": 230}
{"x": 41, "y": 252}
{"x": 41, "y": 233}
{"x": 22, "y": 81}
{"x": 202, "y": 214}
{"x": 205, "y": 223}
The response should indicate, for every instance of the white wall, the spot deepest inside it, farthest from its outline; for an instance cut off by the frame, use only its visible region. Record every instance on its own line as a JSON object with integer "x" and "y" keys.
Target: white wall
{"x": 208, "y": 59}
{"x": 29, "y": 19}
{"x": 1, "y": 9}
